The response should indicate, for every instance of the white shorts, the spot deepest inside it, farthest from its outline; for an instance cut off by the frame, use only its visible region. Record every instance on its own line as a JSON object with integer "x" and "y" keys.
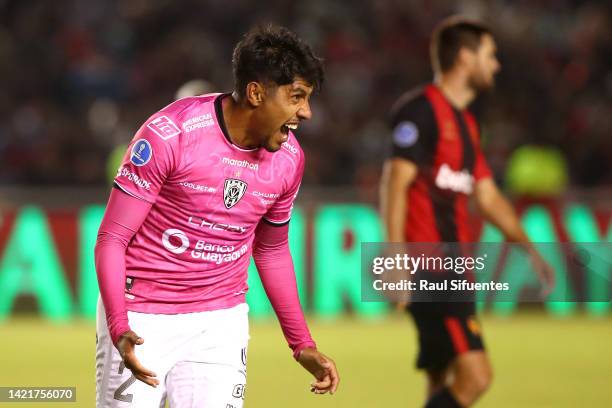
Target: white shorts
{"x": 199, "y": 359}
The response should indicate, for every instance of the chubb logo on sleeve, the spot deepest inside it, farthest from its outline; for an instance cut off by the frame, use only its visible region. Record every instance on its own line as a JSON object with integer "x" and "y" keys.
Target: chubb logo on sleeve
{"x": 141, "y": 152}
{"x": 233, "y": 190}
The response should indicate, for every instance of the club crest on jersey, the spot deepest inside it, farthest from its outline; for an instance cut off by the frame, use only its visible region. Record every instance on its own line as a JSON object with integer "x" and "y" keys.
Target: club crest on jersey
{"x": 233, "y": 190}
{"x": 141, "y": 152}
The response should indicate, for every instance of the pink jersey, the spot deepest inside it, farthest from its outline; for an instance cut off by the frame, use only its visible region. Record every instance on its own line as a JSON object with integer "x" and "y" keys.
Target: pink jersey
{"x": 192, "y": 252}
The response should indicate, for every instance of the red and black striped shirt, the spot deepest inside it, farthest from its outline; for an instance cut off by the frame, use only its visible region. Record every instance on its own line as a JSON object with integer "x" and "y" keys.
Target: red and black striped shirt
{"x": 444, "y": 143}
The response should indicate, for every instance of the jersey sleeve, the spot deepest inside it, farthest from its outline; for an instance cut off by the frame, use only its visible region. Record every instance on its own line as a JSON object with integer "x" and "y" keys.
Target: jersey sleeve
{"x": 150, "y": 159}
{"x": 413, "y": 131}
{"x": 280, "y": 212}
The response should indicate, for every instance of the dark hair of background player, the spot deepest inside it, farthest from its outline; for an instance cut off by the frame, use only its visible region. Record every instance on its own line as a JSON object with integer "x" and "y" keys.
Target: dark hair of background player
{"x": 450, "y": 36}
{"x": 274, "y": 55}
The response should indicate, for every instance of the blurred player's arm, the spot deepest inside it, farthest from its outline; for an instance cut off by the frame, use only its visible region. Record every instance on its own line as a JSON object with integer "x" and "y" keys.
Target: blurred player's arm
{"x": 413, "y": 128}
{"x": 275, "y": 266}
{"x": 496, "y": 209}
{"x": 398, "y": 175}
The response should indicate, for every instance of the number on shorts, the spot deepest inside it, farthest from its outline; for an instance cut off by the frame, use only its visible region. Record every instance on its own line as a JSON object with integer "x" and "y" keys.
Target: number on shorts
{"x": 119, "y": 392}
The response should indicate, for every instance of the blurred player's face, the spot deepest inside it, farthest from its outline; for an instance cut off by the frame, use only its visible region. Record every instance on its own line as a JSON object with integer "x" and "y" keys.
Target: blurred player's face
{"x": 484, "y": 65}
{"x": 284, "y": 107}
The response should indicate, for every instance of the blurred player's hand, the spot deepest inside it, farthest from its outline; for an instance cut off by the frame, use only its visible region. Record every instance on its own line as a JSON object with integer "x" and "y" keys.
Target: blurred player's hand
{"x": 545, "y": 272}
{"x": 399, "y": 299}
{"x": 323, "y": 368}
{"x": 126, "y": 345}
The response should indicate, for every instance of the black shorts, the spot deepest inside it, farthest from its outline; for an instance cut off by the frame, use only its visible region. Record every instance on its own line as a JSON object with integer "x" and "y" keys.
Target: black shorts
{"x": 444, "y": 336}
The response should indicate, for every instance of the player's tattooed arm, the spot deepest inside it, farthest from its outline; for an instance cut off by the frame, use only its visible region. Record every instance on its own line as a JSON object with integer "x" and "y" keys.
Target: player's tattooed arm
{"x": 322, "y": 368}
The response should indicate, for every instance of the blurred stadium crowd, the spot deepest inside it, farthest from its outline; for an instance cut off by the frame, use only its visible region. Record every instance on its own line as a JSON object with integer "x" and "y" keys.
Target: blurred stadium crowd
{"x": 79, "y": 77}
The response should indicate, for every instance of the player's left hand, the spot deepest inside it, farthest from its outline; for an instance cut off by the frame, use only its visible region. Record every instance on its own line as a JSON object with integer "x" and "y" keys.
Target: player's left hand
{"x": 545, "y": 272}
{"x": 323, "y": 368}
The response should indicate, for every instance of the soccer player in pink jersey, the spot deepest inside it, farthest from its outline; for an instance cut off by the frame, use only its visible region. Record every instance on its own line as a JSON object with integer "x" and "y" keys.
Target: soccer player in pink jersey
{"x": 206, "y": 182}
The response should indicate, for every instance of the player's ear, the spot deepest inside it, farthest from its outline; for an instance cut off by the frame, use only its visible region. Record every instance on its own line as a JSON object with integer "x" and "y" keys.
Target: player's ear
{"x": 255, "y": 93}
{"x": 465, "y": 57}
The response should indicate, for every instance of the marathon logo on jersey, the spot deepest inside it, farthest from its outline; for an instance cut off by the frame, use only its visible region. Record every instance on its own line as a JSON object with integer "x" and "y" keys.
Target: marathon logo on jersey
{"x": 141, "y": 152}
{"x": 197, "y": 122}
{"x": 233, "y": 190}
{"x": 290, "y": 147}
{"x": 240, "y": 163}
{"x": 405, "y": 134}
{"x": 164, "y": 127}
{"x": 457, "y": 181}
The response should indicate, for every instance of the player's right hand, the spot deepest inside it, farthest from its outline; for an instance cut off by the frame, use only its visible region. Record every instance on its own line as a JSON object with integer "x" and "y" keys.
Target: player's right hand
{"x": 126, "y": 345}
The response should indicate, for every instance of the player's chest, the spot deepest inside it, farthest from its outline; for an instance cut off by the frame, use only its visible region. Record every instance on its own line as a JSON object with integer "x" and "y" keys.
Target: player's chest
{"x": 232, "y": 186}
{"x": 454, "y": 159}
{"x": 455, "y": 144}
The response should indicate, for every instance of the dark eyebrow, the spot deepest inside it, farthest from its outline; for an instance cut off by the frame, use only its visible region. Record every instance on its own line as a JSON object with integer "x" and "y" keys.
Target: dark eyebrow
{"x": 300, "y": 91}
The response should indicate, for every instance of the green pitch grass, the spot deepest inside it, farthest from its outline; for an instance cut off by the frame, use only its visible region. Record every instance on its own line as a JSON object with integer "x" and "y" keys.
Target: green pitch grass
{"x": 539, "y": 361}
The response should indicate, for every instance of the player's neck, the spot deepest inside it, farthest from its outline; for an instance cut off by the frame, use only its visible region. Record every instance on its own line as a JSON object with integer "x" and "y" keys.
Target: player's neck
{"x": 455, "y": 88}
{"x": 237, "y": 119}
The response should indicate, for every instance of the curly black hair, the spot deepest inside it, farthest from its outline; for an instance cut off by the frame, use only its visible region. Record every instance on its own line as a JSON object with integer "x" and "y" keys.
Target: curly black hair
{"x": 274, "y": 54}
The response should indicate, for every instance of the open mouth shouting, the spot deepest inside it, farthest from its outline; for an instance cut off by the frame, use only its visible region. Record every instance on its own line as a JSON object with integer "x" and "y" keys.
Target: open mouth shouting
{"x": 286, "y": 127}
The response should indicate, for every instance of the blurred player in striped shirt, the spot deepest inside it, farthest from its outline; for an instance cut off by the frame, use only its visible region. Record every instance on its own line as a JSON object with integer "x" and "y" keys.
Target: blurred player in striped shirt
{"x": 436, "y": 165}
